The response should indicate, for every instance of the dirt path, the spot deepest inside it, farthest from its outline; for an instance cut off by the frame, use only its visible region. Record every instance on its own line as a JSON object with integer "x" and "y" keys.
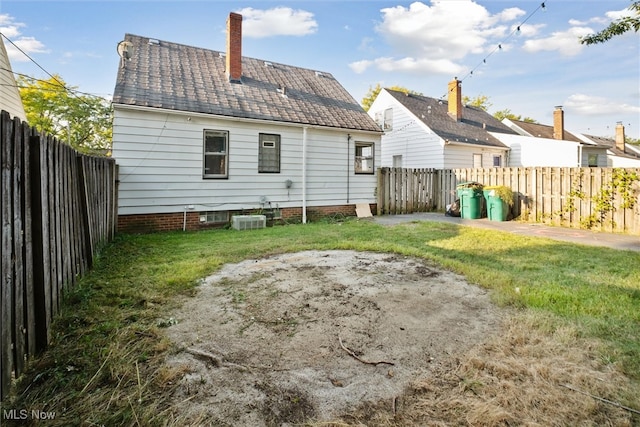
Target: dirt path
{"x": 313, "y": 335}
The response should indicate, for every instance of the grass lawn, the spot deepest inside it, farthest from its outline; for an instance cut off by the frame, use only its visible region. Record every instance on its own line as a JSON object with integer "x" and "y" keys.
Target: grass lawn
{"x": 108, "y": 343}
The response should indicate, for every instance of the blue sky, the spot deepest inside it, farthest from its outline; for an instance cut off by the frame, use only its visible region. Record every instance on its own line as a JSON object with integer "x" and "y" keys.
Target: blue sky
{"x": 417, "y": 45}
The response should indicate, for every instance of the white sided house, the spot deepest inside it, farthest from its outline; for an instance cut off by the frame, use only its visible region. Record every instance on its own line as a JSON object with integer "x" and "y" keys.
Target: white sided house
{"x": 10, "y": 100}
{"x": 619, "y": 153}
{"x": 201, "y": 135}
{"x": 423, "y": 132}
{"x": 550, "y": 146}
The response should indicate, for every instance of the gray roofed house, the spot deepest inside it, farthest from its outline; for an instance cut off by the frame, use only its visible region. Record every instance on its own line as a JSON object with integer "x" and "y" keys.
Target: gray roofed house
{"x": 473, "y": 127}
{"x": 173, "y": 76}
{"x": 551, "y": 145}
{"x": 619, "y": 152}
{"x": 201, "y": 135}
{"x": 424, "y": 132}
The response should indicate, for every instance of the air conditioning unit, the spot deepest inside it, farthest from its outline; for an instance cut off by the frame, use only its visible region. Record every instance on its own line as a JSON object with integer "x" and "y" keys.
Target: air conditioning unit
{"x": 248, "y": 222}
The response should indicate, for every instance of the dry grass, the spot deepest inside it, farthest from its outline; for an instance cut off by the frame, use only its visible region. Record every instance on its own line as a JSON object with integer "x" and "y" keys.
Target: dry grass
{"x": 516, "y": 379}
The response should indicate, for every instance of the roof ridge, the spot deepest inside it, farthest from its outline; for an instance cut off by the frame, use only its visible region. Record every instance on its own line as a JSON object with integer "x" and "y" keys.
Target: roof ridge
{"x": 224, "y": 53}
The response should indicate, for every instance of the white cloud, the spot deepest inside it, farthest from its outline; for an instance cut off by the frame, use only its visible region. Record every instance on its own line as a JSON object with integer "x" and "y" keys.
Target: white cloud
{"x": 596, "y": 106}
{"x": 435, "y": 37}
{"x": 279, "y": 21}
{"x": 360, "y": 67}
{"x": 12, "y": 30}
{"x": 566, "y": 42}
{"x": 617, "y": 14}
{"x": 409, "y": 65}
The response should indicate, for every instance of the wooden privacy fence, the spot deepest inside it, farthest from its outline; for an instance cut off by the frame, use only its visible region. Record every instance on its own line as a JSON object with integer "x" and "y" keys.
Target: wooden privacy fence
{"x": 606, "y": 199}
{"x": 58, "y": 207}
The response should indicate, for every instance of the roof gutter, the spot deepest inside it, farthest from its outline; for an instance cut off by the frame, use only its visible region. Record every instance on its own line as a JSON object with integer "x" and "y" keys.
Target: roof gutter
{"x": 238, "y": 119}
{"x": 469, "y": 144}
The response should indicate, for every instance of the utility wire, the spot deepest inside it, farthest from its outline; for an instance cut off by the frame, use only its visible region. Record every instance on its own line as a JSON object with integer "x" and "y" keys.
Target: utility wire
{"x": 499, "y": 46}
{"x": 72, "y": 91}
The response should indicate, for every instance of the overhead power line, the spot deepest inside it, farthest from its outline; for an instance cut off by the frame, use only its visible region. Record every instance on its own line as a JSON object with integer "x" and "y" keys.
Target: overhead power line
{"x": 498, "y": 47}
{"x": 73, "y": 92}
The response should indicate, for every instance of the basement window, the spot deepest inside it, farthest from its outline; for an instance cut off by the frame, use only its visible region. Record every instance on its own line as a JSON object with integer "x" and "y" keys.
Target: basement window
{"x": 214, "y": 217}
{"x": 268, "y": 153}
{"x": 364, "y": 157}
{"x": 216, "y": 154}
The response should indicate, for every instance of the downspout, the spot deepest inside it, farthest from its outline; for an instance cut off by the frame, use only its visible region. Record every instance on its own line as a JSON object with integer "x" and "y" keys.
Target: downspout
{"x": 304, "y": 175}
{"x": 184, "y": 220}
{"x": 579, "y": 155}
{"x": 348, "y": 161}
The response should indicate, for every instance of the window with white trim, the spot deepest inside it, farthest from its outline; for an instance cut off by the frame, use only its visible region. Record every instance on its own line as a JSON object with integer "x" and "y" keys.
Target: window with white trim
{"x": 593, "y": 160}
{"x": 497, "y": 161}
{"x": 268, "y": 153}
{"x": 388, "y": 119}
{"x": 216, "y": 154}
{"x": 364, "y": 157}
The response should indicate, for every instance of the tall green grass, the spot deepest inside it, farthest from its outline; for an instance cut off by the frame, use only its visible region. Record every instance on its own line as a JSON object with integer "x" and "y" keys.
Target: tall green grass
{"x": 102, "y": 367}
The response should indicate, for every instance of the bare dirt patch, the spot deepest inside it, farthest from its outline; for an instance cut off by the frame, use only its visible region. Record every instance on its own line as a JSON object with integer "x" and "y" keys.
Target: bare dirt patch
{"x": 313, "y": 335}
{"x": 336, "y": 338}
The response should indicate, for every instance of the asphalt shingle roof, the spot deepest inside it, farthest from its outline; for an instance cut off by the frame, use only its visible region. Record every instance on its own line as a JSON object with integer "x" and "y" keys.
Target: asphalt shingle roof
{"x": 610, "y": 144}
{"x": 179, "y": 77}
{"x": 474, "y": 127}
{"x": 544, "y": 131}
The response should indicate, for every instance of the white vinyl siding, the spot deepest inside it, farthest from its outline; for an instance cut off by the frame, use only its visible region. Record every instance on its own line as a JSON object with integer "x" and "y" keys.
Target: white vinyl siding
{"x": 160, "y": 155}
{"x": 527, "y": 151}
{"x": 9, "y": 93}
{"x": 409, "y": 137}
{"x": 466, "y": 156}
{"x": 594, "y": 157}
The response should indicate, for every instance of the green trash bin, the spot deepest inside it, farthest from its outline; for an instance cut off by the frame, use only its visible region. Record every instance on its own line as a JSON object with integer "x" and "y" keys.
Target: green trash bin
{"x": 470, "y": 195}
{"x": 499, "y": 199}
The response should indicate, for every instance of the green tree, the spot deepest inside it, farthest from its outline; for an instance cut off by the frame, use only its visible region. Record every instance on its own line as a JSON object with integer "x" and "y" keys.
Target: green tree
{"x": 507, "y": 114}
{"x": 83, "y": 121}
{"x": 480, "y": 101}
{"x": 617, "y": 27}
{"x": 373, "y": 92}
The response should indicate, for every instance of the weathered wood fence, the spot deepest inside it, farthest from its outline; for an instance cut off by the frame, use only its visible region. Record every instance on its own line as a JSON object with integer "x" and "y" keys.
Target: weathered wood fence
{"x": 58, "y": 207}
{"x": 604, "y": 199}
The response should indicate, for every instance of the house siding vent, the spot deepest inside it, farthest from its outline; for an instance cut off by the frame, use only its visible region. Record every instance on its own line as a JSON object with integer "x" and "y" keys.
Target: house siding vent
{"x": 248, "y": 222}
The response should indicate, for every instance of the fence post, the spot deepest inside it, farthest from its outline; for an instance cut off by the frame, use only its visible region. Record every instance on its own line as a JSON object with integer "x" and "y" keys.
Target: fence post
{"x": 6, "y": 286}
{"x": 84, "y": 211}
{"x": 38, "y": 241}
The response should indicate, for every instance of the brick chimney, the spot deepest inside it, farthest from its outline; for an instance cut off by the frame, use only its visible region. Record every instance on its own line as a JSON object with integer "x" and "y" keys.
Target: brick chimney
{"x": 455, "y": 99}
{"x": 558, "y": 123}
{"x": 620, "y": 136}
{"x": 234, "y": 48}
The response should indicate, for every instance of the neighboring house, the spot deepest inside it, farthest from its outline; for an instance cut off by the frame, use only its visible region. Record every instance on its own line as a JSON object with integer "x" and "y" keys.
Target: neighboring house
{"x": 619, "y": 153}
{"x": 544, "y": 145}
{"x": 199, "y": 135}
{"x": 10, "y": 100}
{"x": 423, "y": 132}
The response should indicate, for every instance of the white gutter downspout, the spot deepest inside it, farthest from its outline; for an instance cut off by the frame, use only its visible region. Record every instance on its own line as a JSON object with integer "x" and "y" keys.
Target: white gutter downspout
{"x": 579, "y": 155}
{"x": 304, "y": 175}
